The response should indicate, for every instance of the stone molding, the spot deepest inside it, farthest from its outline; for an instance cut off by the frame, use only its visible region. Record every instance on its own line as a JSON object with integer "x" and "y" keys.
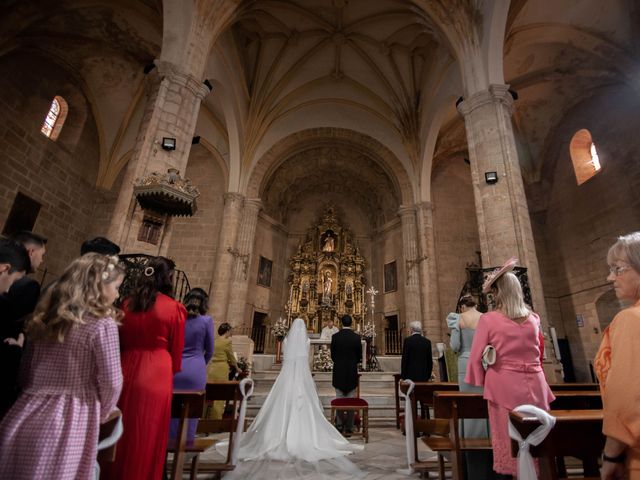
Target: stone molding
{"x": 172, "y": 73}
{"x": 496, "y": 93}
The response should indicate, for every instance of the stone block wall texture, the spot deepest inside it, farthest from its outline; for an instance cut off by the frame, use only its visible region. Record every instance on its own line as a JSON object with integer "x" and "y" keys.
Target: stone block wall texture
{"x": 582, "y": 222}
{"x": 194, "y": 240}
{"x": 455, "y": 230}
{"x": 60, "y": 175}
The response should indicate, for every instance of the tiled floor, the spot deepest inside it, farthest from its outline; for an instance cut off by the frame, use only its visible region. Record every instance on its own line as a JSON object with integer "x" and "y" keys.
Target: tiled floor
{"x": 381, "y": 458}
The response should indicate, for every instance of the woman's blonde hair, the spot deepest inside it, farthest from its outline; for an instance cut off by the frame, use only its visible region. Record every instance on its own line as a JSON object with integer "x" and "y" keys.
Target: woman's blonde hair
{"x": 74, "y": 297}
{"x": 509, "y": 297}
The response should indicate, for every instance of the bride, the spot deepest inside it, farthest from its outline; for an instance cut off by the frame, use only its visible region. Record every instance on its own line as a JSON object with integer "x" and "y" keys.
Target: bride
{"x": 290, "y": 437}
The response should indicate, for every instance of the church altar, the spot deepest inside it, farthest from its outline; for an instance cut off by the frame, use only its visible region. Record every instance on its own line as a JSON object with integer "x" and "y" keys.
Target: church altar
{"x": 327, "y": 278}
{"x": 315, "y": 342}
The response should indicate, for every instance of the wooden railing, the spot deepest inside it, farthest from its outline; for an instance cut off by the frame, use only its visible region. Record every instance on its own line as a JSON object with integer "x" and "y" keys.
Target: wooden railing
{"x": 259, "y": 336}
{"x": 392, "y": 342}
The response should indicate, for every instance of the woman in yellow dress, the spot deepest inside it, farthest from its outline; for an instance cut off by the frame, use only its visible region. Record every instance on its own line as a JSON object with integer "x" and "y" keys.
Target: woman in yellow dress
{"x": 218, "y": 369}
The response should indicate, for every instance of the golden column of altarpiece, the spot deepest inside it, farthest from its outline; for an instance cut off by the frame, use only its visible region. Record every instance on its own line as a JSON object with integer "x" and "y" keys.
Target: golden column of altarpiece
{"x": 327, "y": 275}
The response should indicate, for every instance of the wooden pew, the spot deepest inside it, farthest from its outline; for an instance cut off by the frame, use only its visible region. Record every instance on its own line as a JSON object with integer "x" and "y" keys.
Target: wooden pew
{"x": 577, "y": 400}
{"x": 583, "y": 387}
{"x": 426, "y": 401}
{"x": 185, "y": 405}
{"x": 455, "y": 406}
{"x": 577, "y": 433}
{"x": 230, "y": 392}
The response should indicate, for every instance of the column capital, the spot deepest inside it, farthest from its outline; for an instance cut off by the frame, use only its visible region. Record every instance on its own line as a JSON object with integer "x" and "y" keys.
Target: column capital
{"x": 496, "y": 93}
{"x": 253, "y": 203}
{"x": 406, "y": 210}
{"x": 230, "y": 197}
{"x": 425, "y": 206}
{"x": 173, "y": 73}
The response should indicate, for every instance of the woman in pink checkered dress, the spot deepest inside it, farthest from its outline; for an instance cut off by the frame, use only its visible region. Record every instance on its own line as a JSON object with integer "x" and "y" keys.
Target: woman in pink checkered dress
{"x": 71, "y": 376}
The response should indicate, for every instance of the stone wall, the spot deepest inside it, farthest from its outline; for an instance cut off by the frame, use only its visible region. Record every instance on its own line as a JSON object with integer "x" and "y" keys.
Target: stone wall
{"x": 58, "y": 174}
{"x": 194, "y": 240}
{"x": 455, "y": 227}
{"x": 581, "y": 222}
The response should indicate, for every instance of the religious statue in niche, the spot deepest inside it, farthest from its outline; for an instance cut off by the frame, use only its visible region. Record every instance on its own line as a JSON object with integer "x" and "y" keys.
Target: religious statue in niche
{"x": 326, "y": 288}
{"x": 328, "y": 244}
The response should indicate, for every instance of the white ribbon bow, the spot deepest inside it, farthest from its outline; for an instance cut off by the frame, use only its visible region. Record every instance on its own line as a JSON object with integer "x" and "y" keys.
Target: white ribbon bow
{"x": 526, "y": 467}
{"x": 408, "y": 429}
{"x": 246, "y": 392}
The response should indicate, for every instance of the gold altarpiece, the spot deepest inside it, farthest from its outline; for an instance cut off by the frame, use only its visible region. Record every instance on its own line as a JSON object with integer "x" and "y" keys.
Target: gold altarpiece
{"x": 327, "y": 275}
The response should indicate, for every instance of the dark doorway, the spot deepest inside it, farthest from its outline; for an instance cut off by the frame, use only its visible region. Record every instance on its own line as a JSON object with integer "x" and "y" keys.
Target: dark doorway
{"x": 22, "y": 216}
{"x": 259, "y": 331}
{"x": 392, "y": 336}
{"x": 568, "y": 372}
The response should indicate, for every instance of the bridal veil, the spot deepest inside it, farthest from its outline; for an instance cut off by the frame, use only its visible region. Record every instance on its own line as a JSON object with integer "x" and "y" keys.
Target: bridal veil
{"x": 290, "y": 437}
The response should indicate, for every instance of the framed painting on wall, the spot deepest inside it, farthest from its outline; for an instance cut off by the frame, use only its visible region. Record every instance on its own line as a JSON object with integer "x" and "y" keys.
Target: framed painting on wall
{"x": 390, "y": 277}
{"x": 264, "y": 272}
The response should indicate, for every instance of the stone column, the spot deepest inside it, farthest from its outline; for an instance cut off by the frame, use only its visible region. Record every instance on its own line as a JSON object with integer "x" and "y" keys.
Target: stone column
{"x": 242, "y": 263}
{"x": 503, "y": 216}
{"x": 412, "y": 260}
{"x": 231, "y": 216}
{"x": 173, "y": 103}
{"x": 431, "y": 320}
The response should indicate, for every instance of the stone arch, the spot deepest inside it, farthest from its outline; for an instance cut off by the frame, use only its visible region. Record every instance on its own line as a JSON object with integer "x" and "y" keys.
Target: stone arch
{"x": 305, "y": 139}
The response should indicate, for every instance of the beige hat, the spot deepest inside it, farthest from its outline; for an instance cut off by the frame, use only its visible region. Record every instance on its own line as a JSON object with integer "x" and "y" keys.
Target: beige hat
{"x": 497, "y": 273}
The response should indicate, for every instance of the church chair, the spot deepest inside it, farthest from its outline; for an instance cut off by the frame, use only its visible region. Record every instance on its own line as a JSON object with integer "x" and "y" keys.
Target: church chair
{"x": 576, "y": 433}
{"x": 358, "y": 405}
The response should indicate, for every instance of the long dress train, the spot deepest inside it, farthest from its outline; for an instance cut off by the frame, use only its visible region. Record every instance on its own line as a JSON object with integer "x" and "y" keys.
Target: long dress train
{"x": 290, "y": 437}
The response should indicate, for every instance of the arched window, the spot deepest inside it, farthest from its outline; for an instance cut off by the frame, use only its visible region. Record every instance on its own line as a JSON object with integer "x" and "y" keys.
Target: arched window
{"x": 55, "y": 118}
{"x": 584, "y": 156}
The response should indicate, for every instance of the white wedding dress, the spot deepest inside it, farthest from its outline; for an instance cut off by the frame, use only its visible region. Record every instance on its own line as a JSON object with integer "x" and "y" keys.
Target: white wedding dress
{"x": 290, "y": 437}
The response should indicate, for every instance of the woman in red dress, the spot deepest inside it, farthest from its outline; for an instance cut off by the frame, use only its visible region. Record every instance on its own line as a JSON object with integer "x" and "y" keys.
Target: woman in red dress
{"x": 151, "y": 343}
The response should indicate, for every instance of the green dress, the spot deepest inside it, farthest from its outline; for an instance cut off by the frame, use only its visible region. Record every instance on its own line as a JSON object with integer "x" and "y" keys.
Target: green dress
{"x": 218, "y": 371}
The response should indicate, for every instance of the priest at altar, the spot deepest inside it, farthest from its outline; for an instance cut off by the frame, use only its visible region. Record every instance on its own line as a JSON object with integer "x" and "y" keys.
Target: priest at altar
{"x": 328, "y": 331}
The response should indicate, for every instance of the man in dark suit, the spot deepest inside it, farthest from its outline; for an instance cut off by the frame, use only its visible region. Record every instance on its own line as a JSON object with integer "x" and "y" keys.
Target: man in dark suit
{"x": 15, "y": 306}
{"x": 417, "y": 359}
{"x": 346, "y": 352}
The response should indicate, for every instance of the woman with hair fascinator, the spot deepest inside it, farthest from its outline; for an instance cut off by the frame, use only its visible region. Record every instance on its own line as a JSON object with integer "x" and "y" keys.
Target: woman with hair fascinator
{"x": 152, "y": 340}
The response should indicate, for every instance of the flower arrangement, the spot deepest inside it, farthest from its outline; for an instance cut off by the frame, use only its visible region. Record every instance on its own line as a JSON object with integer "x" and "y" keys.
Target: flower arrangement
{"x": 322, "y": 361}
{"x": 279, "y": 329}
{"x": 369, "y": 331}
{"x": 244, "y": 368}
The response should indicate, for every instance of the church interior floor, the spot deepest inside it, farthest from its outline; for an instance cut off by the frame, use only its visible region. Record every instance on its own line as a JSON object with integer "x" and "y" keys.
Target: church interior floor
{"x": 381, "y": 458}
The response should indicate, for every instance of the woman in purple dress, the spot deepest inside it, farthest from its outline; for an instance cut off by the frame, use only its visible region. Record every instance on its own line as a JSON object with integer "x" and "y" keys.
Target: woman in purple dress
{"x": 198, "y": 350}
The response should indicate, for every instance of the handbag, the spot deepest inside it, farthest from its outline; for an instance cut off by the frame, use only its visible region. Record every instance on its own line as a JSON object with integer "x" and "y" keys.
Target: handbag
{"x": 488, "y": 356}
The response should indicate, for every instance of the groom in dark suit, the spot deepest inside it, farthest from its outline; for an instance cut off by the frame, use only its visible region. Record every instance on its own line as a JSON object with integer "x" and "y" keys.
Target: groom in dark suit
{"x": 346, "y": 352}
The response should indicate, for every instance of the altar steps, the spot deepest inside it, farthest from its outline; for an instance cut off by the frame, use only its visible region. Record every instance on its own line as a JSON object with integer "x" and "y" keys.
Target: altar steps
{"x": 375, "y": 387}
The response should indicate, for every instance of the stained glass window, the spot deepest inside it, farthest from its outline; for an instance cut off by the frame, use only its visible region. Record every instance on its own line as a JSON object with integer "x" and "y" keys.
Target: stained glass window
{"x": 55, "y": 118}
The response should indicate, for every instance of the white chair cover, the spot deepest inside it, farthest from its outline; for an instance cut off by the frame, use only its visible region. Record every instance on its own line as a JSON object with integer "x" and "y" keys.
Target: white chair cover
{"x": 526, "y": 467}
{"x": 246, "y": 389}
{"x": 408, "y": 428}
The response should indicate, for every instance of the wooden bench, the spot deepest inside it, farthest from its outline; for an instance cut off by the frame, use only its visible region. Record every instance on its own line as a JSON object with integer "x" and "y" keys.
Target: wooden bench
{"x": 560, "y": 387}
{"x": 456, "y": 406}
{"x": 184, "y": 405}
{"x": 425, "y": 404}
{"x": 437, "y": 428}
{"x": 577, "y": 433}
{"x": 229, "y": 392}
{"x": 577, "y": 400}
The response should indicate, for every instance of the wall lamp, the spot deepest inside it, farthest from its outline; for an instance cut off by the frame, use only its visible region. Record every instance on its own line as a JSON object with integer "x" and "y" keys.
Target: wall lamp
{"x": 491, "y": 177}
{"x": 168, "y": 143}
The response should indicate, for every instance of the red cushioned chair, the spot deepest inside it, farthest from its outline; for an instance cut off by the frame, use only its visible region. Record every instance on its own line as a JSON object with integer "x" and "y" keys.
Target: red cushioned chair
{"x": 357, "y": 405}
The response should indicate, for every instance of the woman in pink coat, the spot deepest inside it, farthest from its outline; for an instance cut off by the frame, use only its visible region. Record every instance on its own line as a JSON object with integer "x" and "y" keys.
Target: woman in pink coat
{"x": 516, "y": 377}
